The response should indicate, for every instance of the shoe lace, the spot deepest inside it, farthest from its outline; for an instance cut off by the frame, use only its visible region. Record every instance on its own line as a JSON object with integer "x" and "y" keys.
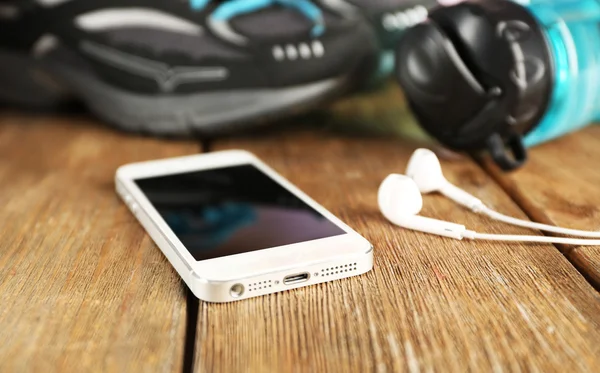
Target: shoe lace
{"x": 233, "y": 8}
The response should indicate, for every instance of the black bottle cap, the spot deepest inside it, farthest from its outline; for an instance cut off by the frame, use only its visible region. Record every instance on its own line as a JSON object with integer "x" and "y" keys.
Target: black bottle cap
{"x": 478, "y": 75}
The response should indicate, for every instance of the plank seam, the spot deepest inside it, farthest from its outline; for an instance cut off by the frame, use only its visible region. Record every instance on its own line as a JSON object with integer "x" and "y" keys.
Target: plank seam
{"x": 193, "y": 303}
{"x": 190, "y": 331}
{"x": 537, "y": 215}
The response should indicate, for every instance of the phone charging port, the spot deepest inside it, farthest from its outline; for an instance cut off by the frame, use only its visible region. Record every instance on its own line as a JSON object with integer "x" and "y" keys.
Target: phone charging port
{"x": 296, "y": 279}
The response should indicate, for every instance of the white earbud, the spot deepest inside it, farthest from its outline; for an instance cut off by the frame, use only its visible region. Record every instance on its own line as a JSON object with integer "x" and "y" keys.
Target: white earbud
{"x": 425, "y": 169}
{"x": 400, "y": 202}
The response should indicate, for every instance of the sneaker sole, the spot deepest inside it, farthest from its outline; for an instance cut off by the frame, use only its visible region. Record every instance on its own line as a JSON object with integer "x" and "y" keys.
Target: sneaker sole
{"x": 28, "y": 82}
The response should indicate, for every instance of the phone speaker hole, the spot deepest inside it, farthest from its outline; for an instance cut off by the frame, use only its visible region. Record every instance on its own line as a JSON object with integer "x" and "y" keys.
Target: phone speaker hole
{"x": 259, "y": 285}
{"x": 336, "y": 270}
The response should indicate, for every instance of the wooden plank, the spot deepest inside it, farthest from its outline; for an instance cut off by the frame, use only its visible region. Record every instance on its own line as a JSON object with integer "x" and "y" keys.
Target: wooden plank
{"x": 559, "y": 186}
{"x": 430, "y": 304}
{"x": 82, "y": 287}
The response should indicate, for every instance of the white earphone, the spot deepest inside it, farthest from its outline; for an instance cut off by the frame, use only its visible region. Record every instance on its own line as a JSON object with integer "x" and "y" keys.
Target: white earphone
{"x": 400, "y": 201}
{"x": 425, "y": 169}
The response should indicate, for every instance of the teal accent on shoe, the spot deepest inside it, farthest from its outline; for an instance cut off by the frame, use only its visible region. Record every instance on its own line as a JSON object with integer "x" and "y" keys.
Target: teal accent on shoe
{"x": 386, "y": 63}
{"x": 233, "y": 8}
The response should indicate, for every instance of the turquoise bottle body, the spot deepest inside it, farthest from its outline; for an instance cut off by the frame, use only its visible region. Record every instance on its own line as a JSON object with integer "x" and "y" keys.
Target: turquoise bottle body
{"x": 572, "y": 28}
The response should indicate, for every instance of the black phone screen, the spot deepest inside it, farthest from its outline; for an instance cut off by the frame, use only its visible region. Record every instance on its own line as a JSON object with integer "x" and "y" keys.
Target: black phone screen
{"x": 233, "y": 210}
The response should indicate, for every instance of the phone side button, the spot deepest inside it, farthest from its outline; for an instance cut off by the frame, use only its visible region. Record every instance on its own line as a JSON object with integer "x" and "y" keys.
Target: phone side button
{"x": 134, "y": 208}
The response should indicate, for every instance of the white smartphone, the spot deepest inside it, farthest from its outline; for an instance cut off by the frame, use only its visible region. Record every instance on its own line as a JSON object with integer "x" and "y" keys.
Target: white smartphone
{"x": 234, "y": 229}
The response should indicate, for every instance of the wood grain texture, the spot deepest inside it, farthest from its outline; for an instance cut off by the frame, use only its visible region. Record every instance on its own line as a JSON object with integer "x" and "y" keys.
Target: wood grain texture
{"x": 82, "y": 287}
{"x": 430, "y": 304}
{"x": 559, "y": 186}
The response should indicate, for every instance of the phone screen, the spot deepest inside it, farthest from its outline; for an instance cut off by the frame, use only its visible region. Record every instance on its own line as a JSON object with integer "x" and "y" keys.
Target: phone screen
{"x": 233, "y": 210}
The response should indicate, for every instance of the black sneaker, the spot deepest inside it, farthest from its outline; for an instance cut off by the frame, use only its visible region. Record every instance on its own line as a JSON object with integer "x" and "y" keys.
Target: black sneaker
{"x": 388, "y": 18}
{"x": 177, "y": 66}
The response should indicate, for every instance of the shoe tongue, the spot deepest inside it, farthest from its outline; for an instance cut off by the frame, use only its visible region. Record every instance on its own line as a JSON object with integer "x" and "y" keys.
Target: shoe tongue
{"x": 273, "y": 21}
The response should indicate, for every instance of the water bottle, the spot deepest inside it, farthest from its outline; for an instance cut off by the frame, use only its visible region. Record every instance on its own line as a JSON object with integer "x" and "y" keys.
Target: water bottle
{"x": 502, "y": 75}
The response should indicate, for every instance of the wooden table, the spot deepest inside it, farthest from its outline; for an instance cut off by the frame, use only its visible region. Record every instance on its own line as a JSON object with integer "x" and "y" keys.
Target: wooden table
{"x": 83, "y": 288}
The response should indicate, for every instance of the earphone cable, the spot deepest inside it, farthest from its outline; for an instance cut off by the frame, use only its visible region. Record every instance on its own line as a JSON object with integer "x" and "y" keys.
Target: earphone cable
{"x": 472, "y": 235}
{"x": 532, "y": 225}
